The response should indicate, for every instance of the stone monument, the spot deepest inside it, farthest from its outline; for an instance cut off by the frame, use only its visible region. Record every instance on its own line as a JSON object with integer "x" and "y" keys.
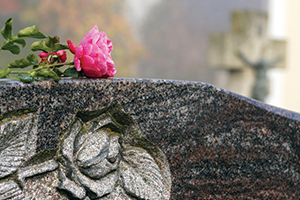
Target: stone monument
{"x": 249, "y": 36}
{"x": 260, "y": 88}
{"x": 143, "y": 139}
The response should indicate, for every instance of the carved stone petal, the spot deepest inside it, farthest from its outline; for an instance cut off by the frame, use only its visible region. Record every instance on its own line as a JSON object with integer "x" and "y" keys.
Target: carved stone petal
{"x": 10, "y": 190}
{"x": 70, "y": 186}
{"x": 68, "y": 142}
{"x": 100, "y": 170}
{"x": 98, "y": 188}
{"x": 140, "y": 175}
{"x": 13, "y": 137}
{"x": 117, "y": 194}
{"x": 93, "y": 149}
{"x": 114, "y": 149}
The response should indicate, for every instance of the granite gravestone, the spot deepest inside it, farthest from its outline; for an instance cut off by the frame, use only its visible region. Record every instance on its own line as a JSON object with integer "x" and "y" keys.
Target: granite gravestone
{"x": 144, "y": 139}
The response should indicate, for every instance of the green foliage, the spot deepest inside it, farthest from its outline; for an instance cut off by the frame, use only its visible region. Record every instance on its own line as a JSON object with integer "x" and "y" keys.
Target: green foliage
{"x": 31, "y": 32}
{"x": 4, "y": 73}
{"x": 27, "y": 79}
{"x": 39, "y": 46}
{"x": 51, "y": 41}
{"x": 58, "y": 47}
{"x": 48, "y": 73}
{"x": 20, "y": 41}
{"x": 30, "y": 60}
{"x": 6, "y": 32}
{"x": 13, "y": 48}
{"x": 72, "y": 72}
{"x": 58, "y": 72}
{"x": 41, "y": 70}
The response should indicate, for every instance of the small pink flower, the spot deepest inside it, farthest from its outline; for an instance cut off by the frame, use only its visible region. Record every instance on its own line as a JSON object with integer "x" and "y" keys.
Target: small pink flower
{"x": 61, "y": 55}
{"x": 43, "y": 56}
{"x": 93, "y": 54}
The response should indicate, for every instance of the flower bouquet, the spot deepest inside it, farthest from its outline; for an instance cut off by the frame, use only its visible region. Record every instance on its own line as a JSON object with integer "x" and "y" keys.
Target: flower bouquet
{"x": 92, "y": 58}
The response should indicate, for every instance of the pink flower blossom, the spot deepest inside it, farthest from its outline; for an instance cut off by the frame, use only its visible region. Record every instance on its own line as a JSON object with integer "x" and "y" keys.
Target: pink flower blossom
{"x": 93, "y": 55}
{"x": 61, "y": 54}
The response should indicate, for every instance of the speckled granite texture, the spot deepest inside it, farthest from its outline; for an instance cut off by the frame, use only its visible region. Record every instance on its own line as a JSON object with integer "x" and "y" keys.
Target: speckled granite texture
{"x": 218, "y": 145}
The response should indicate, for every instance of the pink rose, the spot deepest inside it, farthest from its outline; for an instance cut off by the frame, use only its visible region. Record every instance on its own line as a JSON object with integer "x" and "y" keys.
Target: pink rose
{"x": 61, "y": 55}
{"x": 93, "y": 54}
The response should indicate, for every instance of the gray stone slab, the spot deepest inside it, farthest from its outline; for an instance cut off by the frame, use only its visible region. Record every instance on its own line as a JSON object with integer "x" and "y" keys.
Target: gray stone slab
{"x": 109, "y": 138}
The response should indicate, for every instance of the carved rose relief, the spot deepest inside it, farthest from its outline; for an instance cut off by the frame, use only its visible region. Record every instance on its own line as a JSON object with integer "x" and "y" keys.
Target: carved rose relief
{"x": 102, "y": 155}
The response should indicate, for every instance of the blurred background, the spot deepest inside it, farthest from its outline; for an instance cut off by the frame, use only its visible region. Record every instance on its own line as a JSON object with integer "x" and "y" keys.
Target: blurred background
{"x": 195, "y": 40}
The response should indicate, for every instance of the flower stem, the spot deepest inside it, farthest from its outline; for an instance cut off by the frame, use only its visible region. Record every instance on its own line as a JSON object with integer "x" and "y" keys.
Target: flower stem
{"x": 12, "y": 78}
{"x": 19, "y": 72}
{"x": 60, "y": 64}
{"x": 41, "y": 67}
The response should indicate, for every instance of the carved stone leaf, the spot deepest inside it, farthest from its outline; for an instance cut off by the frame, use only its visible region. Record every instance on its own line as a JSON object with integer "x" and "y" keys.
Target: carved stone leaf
{"x": 13, "y": 137}
{"x": 140, "y": 175}
{"x": 10, "y": 190}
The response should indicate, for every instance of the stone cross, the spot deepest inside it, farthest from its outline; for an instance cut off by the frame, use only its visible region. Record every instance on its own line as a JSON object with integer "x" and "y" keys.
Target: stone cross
{"x": 259, "y": 90}
{"x": 248, "y": 35}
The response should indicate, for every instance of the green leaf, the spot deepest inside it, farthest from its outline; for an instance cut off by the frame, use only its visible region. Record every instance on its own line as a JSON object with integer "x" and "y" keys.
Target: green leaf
{"x": 24, "y": 62}
{"x": 19, "y": 41}
{"x": 10, "y": 46}
{"x": 58, "y": 72}
{"x": 39, "y": 46}
{"x": 27, "y": 79}
{"x": 72, "y": 72}
{"x": 48, "y": 74}
{"x": 33, "y": 59}
{"x": 4, "y": 73}
{"x": 7, "y": 30}
{"x": 51, "y": 41}
{"x": 31, "y": 32}
{"x": 58, "y": 47}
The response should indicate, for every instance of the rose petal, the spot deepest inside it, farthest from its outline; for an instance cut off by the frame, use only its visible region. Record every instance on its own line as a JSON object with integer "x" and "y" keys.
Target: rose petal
{"x": 96, "y": 37}
{"x": 109, "y": 45}
{"x": 62, "y": 55}
{"x": 103, "y": 38}
{"x": 88, "y": 49}
{"x": 77, "y": 64}
{"x": 72, "y": 46}
{"x": 87, "y": 62}
{"x": 103, "y": 48}
{"x": 79, "y": 52}
{"x": 110, "y": 67}
{"x": 96, "y": 51}
{"x": 89, "y": 35}
{"x": 43, "y": 56}
{"x": 100, "y": 62}
{"x": 92, "y": 72}
{"x": 98, "y": 69}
